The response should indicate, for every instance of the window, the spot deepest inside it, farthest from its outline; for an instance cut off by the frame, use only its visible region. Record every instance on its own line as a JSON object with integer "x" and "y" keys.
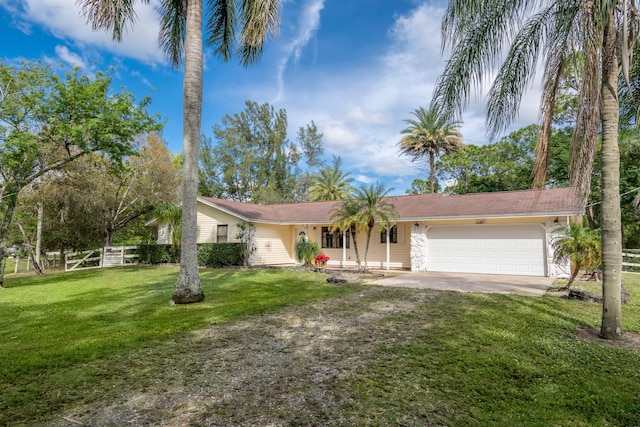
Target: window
{"x": 393, "y": 235}
{"x": 331, "y": 239}
{"x": 221, "y": 235}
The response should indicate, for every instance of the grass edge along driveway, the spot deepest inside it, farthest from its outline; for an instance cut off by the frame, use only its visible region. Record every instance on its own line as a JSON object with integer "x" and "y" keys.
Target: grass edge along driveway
{"x": 104, "y": 347}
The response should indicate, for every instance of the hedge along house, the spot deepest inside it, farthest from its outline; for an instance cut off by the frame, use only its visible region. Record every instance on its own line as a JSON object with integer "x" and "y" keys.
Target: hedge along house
{"x": 492, "y": 233}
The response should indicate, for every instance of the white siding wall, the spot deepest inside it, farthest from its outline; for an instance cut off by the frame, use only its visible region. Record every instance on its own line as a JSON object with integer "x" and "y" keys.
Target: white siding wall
{"x": 208, "y": 220}
{"x": 274, "y": 244}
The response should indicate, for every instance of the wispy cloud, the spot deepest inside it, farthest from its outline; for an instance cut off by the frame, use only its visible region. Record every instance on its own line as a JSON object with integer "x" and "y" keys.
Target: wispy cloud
{"x": 307, "y": 25}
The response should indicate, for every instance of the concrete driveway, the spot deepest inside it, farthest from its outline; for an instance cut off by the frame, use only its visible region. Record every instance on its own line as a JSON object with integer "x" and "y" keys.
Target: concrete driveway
{"x": 462, "y": 282}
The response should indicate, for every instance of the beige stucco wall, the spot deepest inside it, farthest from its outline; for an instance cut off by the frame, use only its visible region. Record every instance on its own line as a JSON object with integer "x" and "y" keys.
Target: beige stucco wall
{"x": 208, "y": 220}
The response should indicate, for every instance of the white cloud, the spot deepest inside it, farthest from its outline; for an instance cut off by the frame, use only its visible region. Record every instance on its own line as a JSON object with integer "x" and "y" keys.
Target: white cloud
{"x": 73, "y": 59}
{"x": 361, "y": 111}
{"x": 142, "y": 79}
{"x": 358, "y": 114}
{"x": 338, "y": 136}
{"x": 365, "y": 179}
{"x": 62, "y": 18}
{"x": 308, "y": 24}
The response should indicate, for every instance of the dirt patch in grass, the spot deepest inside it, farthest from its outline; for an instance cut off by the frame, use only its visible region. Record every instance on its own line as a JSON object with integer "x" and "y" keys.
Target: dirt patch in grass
{"x": 287, "y": 368}
{"x": 630, "y": 340}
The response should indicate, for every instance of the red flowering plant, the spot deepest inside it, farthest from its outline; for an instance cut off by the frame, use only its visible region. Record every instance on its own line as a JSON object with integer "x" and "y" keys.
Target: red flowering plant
{"x": 321, "y": 260}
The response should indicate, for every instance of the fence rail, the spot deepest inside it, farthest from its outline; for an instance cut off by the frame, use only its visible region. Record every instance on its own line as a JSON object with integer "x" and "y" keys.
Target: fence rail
{"x": 631, "y": 261}
{"x": 109, "y": 256}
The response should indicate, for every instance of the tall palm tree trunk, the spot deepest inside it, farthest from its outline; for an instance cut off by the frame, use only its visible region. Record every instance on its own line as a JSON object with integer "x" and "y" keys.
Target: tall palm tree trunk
{"x": 574, "y": 274}
{"x": 611, "y": 327}
{"x": 432, "y": 171}
{"x": 188, "y": 288}
{"x": 366, "y": 248}
{"x": 355, "y": 248}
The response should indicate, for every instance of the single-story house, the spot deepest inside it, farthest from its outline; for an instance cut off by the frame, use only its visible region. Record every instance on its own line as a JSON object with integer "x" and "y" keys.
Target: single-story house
{"x": 493, "y": 233}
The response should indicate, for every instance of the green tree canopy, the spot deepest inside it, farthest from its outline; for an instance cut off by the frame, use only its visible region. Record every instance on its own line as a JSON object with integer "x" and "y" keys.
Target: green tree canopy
{"x": 50, "y": 120}
{"x": 505, "y": 165}
{"x": 252, "y": 160}
{"x": 420, "y": 186}
{"x": 580, "y": 245}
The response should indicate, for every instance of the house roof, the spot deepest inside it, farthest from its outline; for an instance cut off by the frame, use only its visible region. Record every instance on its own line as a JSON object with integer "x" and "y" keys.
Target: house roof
{"x": 545, "y": 202}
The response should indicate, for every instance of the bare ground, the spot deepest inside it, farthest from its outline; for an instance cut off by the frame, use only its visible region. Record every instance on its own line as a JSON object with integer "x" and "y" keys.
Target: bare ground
{"x": 287, "y": 368}
{"x": 292, "y": 367}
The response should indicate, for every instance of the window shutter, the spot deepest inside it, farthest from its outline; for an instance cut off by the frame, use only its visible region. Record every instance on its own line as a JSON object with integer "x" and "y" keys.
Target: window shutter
{"x": 400, "y": 234}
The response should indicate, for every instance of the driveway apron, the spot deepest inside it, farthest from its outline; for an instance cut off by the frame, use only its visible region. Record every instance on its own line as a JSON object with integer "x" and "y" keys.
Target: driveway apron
{"x": 462, "y": 282}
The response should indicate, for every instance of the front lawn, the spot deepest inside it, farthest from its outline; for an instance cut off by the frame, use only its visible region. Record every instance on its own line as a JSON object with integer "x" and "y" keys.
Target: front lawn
{"x": 56, "y": 326}
{"x": 271, "y": 347}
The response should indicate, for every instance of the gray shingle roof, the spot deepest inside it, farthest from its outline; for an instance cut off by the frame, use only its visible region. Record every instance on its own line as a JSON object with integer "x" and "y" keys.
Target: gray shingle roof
{"x": 546, "y": 202}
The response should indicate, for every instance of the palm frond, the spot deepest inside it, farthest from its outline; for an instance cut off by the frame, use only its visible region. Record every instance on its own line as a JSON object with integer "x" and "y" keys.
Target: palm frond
{"x": 110, "y": 15}
{"x": 477, "y": 31}
{"x": 173, "y": 28}
{"x": 221, "y": 26}
{"x": 519, "y": 66}
{"x": 261, "y": 19}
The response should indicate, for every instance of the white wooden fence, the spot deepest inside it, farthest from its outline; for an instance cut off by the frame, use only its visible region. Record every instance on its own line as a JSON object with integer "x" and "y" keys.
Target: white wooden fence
{"x": 109, "y": 256}
{"x": 631, "y": 261}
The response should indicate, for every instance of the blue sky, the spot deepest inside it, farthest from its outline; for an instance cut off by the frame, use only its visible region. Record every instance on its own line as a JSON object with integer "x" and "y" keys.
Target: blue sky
{"x": 357, "y": 68}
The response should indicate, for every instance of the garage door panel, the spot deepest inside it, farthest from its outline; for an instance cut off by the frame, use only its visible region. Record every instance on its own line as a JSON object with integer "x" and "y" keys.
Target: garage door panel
{"x": 515, "y": 249}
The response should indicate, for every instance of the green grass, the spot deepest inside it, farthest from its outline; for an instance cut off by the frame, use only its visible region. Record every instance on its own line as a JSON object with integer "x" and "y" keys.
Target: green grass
{"x": 55, "y": 324}
{"x": 475, "y": 359}
{"x": 22, "y": 266}
{"x": 69, "y": 339}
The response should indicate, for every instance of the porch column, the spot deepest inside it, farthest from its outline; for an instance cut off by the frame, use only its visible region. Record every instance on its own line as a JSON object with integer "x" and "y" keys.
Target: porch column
{"x": 344, "y": 248}
{"x": 388, "y": 248}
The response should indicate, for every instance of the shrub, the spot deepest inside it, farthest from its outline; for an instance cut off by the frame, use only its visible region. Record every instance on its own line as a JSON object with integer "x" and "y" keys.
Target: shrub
{"x": 209, "y": 254}
{"x": 154, "y": 254}
{"x": 306, "y": 251}
{"x": 221, "y": 254}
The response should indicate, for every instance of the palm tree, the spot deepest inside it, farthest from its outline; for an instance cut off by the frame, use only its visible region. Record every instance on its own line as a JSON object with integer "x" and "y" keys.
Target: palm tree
{"x": 172, "y": 215}
{"x": 581, "y": 245}
{"x": 181, "y": 38}
{"x": 331, "y": 183}
{"x": 430, "y": 134}
{"x": 603, "y": 33}
{"x": 343, "y": 218}
{"x": 367, "y": 206}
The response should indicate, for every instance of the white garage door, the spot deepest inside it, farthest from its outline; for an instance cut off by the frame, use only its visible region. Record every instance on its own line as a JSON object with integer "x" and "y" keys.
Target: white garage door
{"x": 488, "y": 249}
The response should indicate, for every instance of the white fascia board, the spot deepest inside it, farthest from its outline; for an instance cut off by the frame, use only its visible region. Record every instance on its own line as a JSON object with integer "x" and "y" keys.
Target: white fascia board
{"x": 150, "y": 222}
{"x": 526, "y": 215}
{"x": 227, "y": 211}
